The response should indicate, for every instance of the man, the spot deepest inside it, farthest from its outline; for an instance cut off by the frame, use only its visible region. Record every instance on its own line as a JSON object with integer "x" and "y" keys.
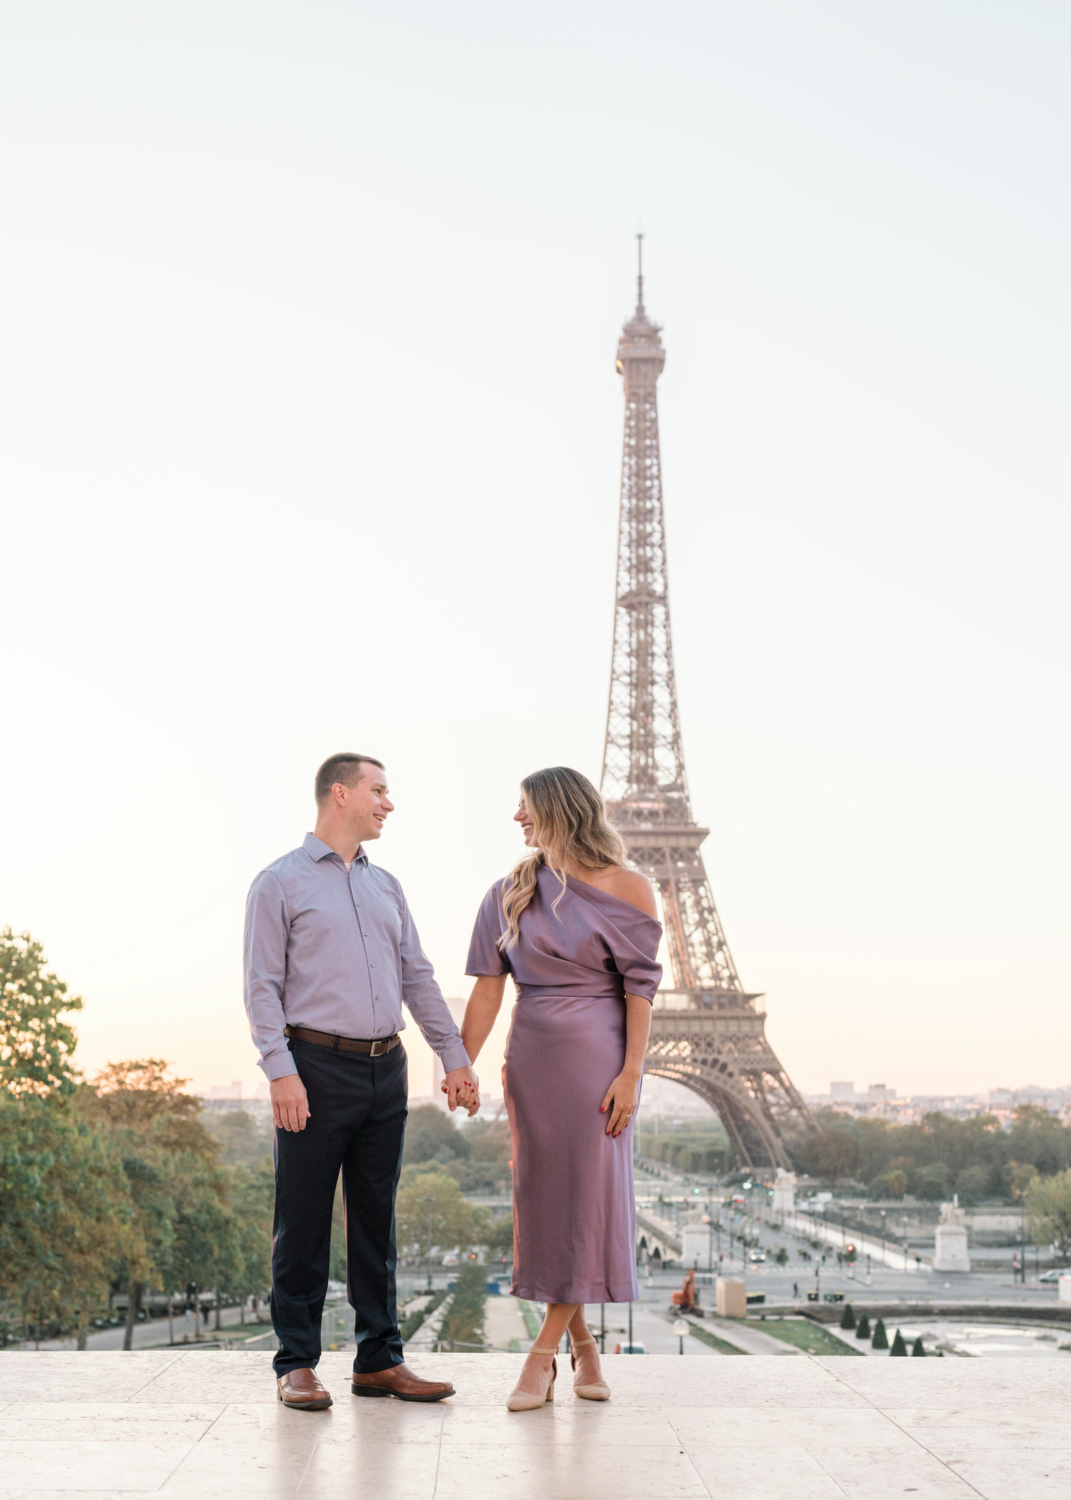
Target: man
{"x": 330, "y": 954}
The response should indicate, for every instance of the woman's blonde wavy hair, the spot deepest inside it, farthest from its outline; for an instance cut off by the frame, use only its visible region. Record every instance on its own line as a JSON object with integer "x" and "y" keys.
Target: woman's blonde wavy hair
{"x": 569, "y": 828}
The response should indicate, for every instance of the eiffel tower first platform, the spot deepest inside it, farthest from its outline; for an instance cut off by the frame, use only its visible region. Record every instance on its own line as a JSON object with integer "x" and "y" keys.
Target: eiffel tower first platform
{"x": 708, "y": 1032}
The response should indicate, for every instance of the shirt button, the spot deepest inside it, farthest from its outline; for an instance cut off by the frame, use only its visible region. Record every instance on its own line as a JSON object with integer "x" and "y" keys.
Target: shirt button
{"x": 372, "y": 966}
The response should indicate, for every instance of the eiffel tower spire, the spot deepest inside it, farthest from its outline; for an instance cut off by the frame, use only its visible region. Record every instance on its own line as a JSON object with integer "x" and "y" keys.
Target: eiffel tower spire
{"x": 708, "y": 1032}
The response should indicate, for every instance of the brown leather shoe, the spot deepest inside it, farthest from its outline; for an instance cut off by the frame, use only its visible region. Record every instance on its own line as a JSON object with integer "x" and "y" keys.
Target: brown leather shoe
{"x": 400, "y": 1381}
{"x": 302, "y": 1389}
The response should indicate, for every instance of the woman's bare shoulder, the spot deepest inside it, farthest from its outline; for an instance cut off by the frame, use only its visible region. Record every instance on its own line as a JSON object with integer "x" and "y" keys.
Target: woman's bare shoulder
{"x": 631, "y": 886}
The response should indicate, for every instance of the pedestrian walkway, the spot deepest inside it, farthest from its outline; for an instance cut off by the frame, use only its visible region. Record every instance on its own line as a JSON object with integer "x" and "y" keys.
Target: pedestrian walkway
{"x": 207, "y": 1424}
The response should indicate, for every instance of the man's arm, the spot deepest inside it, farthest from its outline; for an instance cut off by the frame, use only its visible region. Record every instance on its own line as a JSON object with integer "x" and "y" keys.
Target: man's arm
{"x": 267, "y": 927}
{"x": 421, "y": 993}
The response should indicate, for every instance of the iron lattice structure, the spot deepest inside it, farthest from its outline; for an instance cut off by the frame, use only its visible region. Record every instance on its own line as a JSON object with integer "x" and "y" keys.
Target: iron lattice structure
{"x": 707, "y": 1033}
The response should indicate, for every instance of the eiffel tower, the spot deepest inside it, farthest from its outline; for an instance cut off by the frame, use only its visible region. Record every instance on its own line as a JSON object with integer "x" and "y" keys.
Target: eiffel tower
{"x": 708, "y": 1032}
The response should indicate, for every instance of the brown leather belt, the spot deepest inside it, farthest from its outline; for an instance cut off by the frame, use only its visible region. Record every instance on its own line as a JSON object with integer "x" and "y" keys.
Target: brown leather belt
{"x": 344, "y": 1043}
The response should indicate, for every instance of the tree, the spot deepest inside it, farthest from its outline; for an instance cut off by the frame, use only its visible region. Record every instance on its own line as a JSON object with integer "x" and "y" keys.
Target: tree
{"x": 430, "y": 1203}
{"x": 934, "y": 1182}
{"x": 241, "y": 1143}
{"x": 463, "y": 1323}
{"x": 834, "y": 1154}
{"x": 862, "y": 1330}
{"x": 176, "y": 1189}
{"x": 899, "y": 1348}
{"x": 898, "y": 1182}
{"x": 65, "y": 1213}
{"x": 1048, "y": 1212}
{"x": 917, "y": 1351}
{"x": 35, "y": 1044}
{"x": 973, "y": 1182}
{"x": 880, "y": 1339}
{"x": 847, "y": 1317}
{"x": 1018, "y": 1176}
{"x": 431, "y": 1135}
{"x": 498, "y": 1239}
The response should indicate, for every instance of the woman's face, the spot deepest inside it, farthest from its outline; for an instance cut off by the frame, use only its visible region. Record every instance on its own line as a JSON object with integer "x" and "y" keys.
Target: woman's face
{"x": 524, "y": 818}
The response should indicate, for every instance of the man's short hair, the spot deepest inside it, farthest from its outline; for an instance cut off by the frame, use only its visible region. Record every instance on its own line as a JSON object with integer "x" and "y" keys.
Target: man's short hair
{"x": 344, "y": 767}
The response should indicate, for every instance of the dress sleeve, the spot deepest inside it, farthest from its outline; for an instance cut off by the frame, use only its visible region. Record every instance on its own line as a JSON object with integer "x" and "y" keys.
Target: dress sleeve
{"x": 635, "y": 950}
{"x": 484, "y": 954}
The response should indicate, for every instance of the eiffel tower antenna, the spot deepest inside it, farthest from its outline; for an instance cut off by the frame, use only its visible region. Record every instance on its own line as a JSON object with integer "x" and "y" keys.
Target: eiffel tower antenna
{"x": 707, "y": 1032}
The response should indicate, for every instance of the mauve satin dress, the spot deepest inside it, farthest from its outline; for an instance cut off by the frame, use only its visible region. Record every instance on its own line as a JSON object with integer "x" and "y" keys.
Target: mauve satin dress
{"x": 574, "y": 1210}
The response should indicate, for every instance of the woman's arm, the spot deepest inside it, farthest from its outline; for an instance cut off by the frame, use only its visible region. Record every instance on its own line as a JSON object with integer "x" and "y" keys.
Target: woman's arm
{"x": 622, "y": 1095}
{"x": 482, "y": 1011}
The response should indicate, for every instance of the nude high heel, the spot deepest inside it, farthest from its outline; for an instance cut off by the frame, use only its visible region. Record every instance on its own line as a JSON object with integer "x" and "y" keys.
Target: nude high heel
{"x": 524, "y": 1400}
{"x": 599, "y": 1390}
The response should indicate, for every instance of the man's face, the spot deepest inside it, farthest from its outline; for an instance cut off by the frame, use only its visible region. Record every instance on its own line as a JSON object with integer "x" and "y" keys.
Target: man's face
{"x": 366, "y": 804}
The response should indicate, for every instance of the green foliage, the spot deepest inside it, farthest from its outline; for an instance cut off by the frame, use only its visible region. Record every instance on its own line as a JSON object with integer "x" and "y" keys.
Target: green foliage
{"x": 880, "y": 1339}
{"x": 832, "y": 1153}
{"x": 35, "y": 1044}
{"x": 463, "y": 1323}
{"x": 241, "y": 1142}
{"x": 723, "y": 1346}
{"x": 1048, "y": 1212}
{"x": 487, "y": 1169}
{"x": 477, "y": 1155}
{"x": 431, "y": 1202}
{"x": 699, "y": 1146}
{"x": 419, "y": 1315}
{"x": 177, "y": 1191}
{"x": 812, "y": 1338}
{"x": 65, "y": 1213}
{"x": 917, "y": 1351}
{"x": 113, "y": 1184}
{"x": 934, "y": 1182}
{"x": 847, "y": 1317}
{"x": 499, "y": 1241}
{"x": 431, "y": 1135}
{"x": 899, "y": 1348}
{"x": 862, "y": 1328}
{"x": 927, "y": 1160}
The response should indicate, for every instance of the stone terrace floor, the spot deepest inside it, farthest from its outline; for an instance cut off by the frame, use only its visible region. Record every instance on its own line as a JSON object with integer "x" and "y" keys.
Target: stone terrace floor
{"x": 207, "y": 1424}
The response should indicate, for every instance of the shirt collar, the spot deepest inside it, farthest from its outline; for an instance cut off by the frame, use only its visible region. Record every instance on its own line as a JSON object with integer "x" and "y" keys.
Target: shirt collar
{"x": 319, "y": 850}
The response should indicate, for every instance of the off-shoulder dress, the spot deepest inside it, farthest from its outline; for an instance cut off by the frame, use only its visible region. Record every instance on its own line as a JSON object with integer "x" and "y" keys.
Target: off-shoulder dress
{"x": 574, "y": 1213}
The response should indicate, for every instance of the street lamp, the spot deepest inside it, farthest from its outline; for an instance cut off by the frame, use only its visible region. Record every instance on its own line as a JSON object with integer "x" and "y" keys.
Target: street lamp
{"x": 680, "y": 1328}
{"x": 430, "y": 1201}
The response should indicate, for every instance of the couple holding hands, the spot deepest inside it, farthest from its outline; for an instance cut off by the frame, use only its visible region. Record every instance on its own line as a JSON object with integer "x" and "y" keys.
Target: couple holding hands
{"x": 331, "y": 953}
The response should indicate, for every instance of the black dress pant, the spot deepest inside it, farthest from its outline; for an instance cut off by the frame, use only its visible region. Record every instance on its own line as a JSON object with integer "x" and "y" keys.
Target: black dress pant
{"x": 357, "y": 1125}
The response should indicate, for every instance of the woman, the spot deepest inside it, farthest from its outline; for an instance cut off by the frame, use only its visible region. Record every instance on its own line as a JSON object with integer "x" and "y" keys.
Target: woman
{"x": 579, "y": 934}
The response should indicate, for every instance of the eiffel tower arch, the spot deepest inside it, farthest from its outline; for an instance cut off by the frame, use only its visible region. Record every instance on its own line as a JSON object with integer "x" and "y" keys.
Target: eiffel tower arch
{"x": 707, "y": 1032}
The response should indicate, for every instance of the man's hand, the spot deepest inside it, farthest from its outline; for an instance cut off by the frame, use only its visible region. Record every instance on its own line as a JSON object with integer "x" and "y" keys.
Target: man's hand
{"x": 289, "y": 1102}
{"x": 462, "y": 1087}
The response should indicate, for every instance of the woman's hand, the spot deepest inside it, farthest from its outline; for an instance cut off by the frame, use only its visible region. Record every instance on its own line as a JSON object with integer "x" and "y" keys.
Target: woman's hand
{"x": 621, "y": 1099}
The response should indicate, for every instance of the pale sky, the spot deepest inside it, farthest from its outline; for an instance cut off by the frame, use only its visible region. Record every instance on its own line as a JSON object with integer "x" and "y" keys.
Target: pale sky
{"x": 311, "y": 442}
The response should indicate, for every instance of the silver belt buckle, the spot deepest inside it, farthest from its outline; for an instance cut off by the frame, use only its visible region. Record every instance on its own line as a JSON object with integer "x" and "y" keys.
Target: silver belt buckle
{"x": 379, "y": 1047}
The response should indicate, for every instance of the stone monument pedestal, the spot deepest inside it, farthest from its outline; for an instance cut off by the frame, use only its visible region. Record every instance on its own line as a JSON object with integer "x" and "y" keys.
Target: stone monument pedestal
{"x": 730, "y": 1293}
{"x": 951, "y": 1252}
{"x": 784, "y": 1193}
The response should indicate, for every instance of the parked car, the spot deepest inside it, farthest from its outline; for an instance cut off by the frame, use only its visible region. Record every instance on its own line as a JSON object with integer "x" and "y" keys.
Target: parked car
{"x": 631, "y": 1349}
{"x": 757, "y": 1256}
{"x": 1051, "y": 1278}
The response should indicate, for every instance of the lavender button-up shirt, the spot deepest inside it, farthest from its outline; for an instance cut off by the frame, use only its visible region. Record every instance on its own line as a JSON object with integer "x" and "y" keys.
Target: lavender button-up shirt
{"x": 336, "y": 951}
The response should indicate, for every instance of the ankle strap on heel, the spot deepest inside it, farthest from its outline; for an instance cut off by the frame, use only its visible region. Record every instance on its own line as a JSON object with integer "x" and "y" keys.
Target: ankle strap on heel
{"x": 582, "y": 1343}
{"x": 533, "y": 1350}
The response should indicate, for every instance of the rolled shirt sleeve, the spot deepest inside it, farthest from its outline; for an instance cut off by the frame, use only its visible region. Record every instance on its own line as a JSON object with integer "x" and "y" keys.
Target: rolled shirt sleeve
{"x": 267, "y": 928}
{"x": 424, "y": 999}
